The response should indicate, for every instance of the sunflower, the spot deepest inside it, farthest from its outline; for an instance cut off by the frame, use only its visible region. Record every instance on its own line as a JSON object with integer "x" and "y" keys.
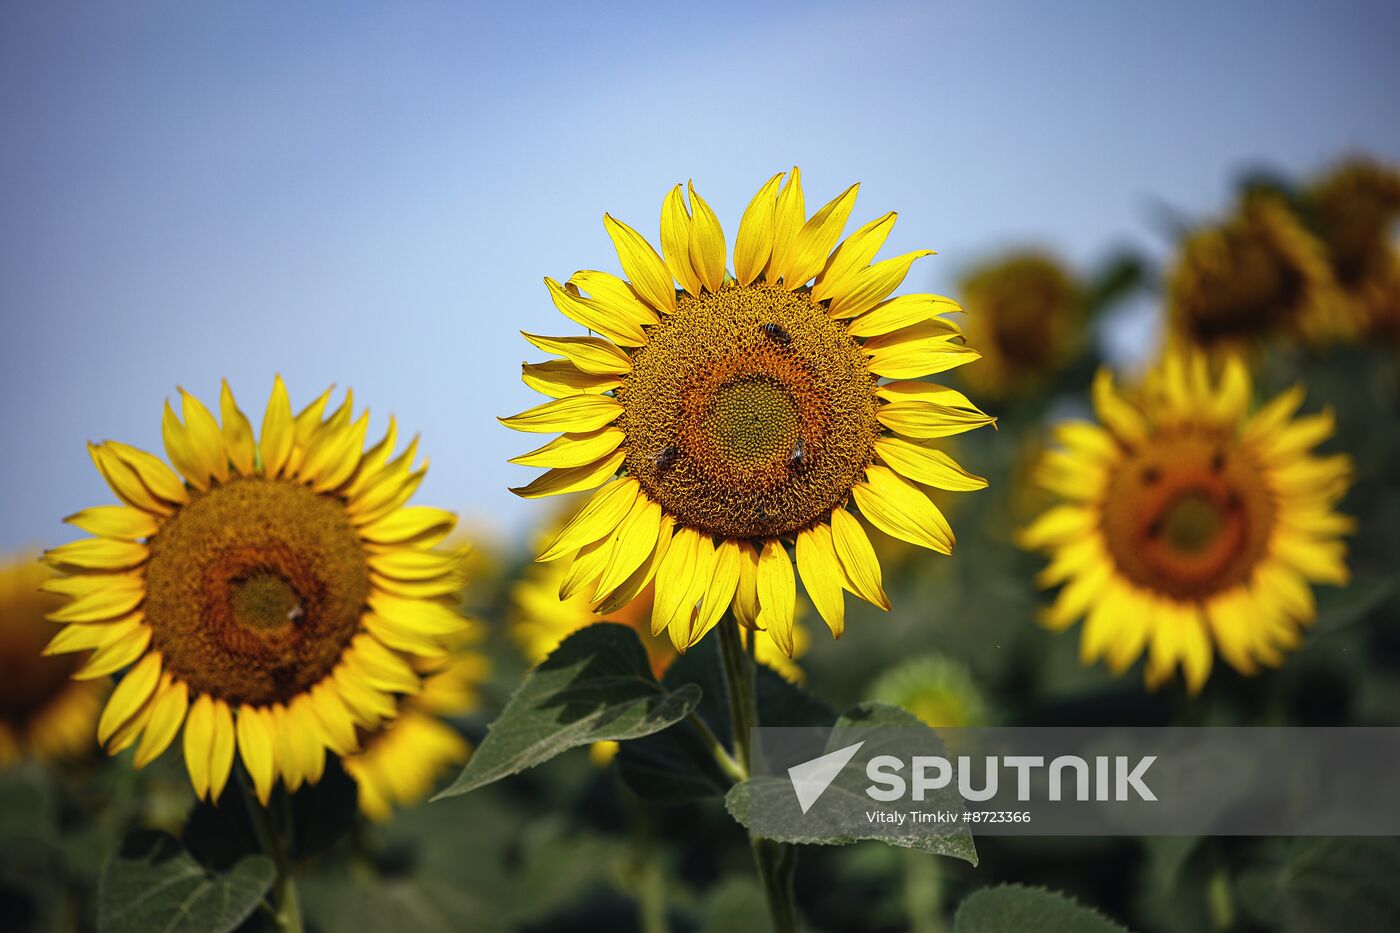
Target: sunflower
{"x": 1191, "y": 521}
{"x": 1025, "y": 315}
{"x": 44, "y": 713}
{"x": 744, "y": 412}
{"x": 1257, "y": 275}
{"x": 268, "y": 597}
{"x": 399, "y": 764}
{"x": 1355, "y": 207}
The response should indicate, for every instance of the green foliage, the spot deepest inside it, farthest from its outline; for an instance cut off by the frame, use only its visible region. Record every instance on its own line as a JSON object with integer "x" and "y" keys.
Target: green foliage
{"x": 1014, "y": 908}
{"x": 151, "y": 883}
{"x": 1321, "y": 885}
{"x": 596, "y": 685}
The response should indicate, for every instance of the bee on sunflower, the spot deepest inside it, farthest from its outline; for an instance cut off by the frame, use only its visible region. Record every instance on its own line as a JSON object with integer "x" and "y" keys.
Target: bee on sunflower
{"x": 267, "y": 595}
{"x": 1190, "y": 523}
{"x": 742, "y": 413}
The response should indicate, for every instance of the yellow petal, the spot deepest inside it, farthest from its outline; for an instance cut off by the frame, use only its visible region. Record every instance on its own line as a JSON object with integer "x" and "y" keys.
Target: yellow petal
{"x": 905, "y": 311}
{"x": 683, "y": 628}
{"x": 335, "y": 719}
{"x": 205, "y": 438}
{"x": 718, "y": 590}
{"x": 278, "y": 429}
{"x": 575, "y": 414}
{"x": 746, "y": 589}
{"x": 595, "y": 521}
{"x": 590, "y": 354}
{"x": 777, "y": 595}
{"x": 122, "y": 595}
{"x": 675, "y": 241}
{"x": 221, "y": 748}
{"x": 410, "y": 564}
{"x": 585, "y": 568}
{"x": 255, "y": 748}
{"x": 572, "y": 479}
{"x": 284, "y": 752}
{"x": 384, "y": 669}
{"x": 707, "y": 247}
{"x": 643, "y": 268}
{"x": 412, "y": 524}
{"x": 872, "y": 286}
{"x": 1120, "y": 417}
{"x": 754, "y": 245}
{"x": 154, "y": 475}
{"x": 789, "y": 214}
{"x": 926, "y": 465}
{"x": 815, "y": 241}
{"x": 643, "y": 575}
{"x": 595, "y": 316}
{"x": 115, "y": 521}
{"x": 72, "y": 638}
{"x": 571, "y": 450}
{"x": 899, "y": 509}
{"x": 912, "y": 390}
{"x": 632, "y": 542}
{"x": 558, "y": 378}
{"x": 181, "y": 451}
{"x": 929, "y": 420}
{"x": 333, "y": 456}
{"x": 821, "y": 575}
{"x": 407, "y": 640}
{"x": 615, "y": 294}
{"x": 198, "y": 743}
{"x": 130, "y": 696}
{"x": 125, "y": 482}
{"x": 924, "y": 357}
{"x": 98, "y": 554}
{"x": 675, "y": 579}
{"x": 1059, "y": 525}
{"x": 425, "y": 616}
{"x": 117, "y": 653}
{"x": 238, "y": 433}
{"x": 858, "y": 559}
{"x": 852, "y": 257}
{"x": 167, "y": 714}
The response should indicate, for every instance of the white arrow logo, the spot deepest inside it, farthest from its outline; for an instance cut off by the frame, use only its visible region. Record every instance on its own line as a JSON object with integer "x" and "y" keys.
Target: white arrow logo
{"x": 811, "y": 778}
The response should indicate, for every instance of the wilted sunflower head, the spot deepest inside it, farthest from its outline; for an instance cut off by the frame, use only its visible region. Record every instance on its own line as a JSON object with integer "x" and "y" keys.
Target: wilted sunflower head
{"x": 267, "y": 597}
{"x": 746, "y": 412}
{"x": 1188, "y": 520}
{"x": 1355, "y": 207}
{"x": 44, "y": 713}
{"x": 1257, "y": 275}
{"x": 399, "y": 763}
{"x": 1025, "y": 313}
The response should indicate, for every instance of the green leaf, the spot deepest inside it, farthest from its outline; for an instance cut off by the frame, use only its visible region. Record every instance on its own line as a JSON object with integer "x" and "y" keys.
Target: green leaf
{"x": 1012, "y": 908}
{"x": 1327, "y": 884}
{"x": 847, "y": 789}
{"x": 675, "y": 766}
{"x": 596, "y": 685}
{"x": 152, "y": 884}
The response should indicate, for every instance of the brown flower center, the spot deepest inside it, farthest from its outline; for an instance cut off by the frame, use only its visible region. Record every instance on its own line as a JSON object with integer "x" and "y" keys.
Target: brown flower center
{"x": 1188, "y": 515}
{"x": 749, "y": 413}
{"x": 254, "y": 588}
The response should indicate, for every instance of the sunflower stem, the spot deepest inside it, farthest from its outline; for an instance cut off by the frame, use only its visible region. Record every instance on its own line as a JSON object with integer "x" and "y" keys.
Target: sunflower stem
{"x": 775, "y": 860}
{"x": 286, "y": 912}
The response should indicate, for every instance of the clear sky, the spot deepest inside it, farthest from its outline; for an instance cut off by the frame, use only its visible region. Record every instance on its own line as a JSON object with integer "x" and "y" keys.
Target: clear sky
{"x": 370, "y": 194}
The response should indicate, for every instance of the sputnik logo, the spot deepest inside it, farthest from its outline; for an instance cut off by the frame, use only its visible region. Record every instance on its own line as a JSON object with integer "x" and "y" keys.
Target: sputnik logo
{"x": 811, "y": 778}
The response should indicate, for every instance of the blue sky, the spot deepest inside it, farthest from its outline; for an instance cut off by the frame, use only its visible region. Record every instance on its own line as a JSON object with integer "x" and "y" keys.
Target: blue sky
{"x": 370, "y": 194}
